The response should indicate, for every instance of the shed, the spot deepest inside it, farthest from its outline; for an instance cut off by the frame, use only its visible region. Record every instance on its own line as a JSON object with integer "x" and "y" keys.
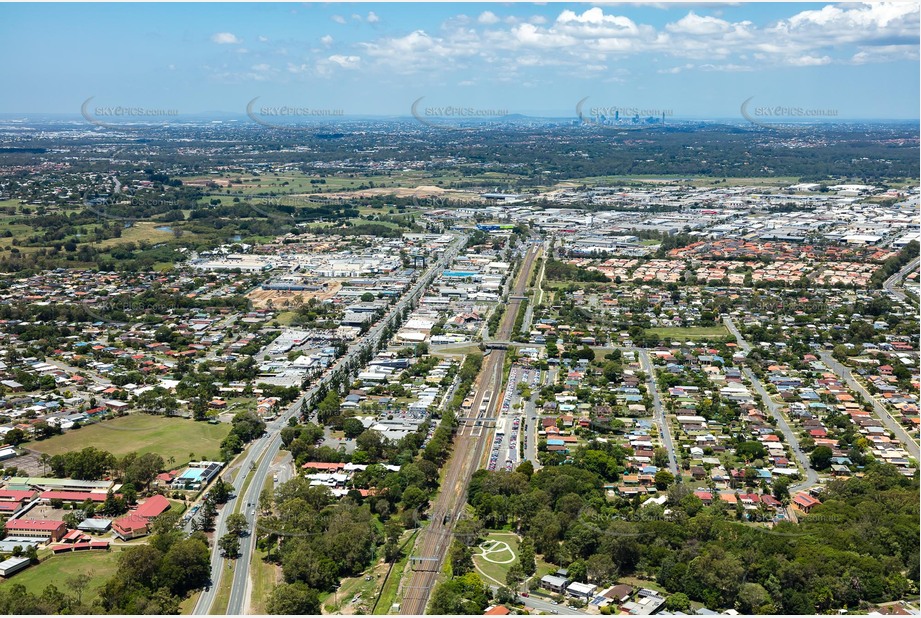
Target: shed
{"x": 13, "y": 565}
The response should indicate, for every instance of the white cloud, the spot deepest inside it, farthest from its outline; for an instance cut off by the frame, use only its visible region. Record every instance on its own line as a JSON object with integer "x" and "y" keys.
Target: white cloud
{"x": 808, "y": 61}
{"x": 372, "y": 17}
{"x": 579, "y": 41}
{"x": 263, "y": 39}
{"x": 346, "y": 62}
{"x": 885, "y": 53}
{"x": 326, "y": 40}
{"x": 675, "y": 70}
{"x": 696, "y": 25}
{"x": 487, "y": 18}
{"x": 725, "y": 68}
{"x": 339, "y": 19}
{"x": 225, "y": 38}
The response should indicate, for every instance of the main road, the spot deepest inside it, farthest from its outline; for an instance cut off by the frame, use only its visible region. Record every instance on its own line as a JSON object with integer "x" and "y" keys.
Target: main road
{"x": 435, "y": 539}
{"x": 260, "y": 454}
{"x": 891, "y": 284}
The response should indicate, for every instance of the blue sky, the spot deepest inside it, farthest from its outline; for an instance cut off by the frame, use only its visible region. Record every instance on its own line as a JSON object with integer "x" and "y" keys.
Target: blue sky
{"x": 693, "y": 60}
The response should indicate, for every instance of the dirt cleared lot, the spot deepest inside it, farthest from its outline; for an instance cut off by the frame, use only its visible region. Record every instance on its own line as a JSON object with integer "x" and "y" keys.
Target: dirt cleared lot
{"x": 261, "y": 298}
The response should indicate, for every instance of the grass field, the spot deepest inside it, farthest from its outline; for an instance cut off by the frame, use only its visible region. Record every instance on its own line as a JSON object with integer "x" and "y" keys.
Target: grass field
{"x": 168, "y": 437}
{"x": 502, "y": 560}
{"x": 99, "y": 565}
{"x": 691, "y": 332}
{"x": 141, "y": 231}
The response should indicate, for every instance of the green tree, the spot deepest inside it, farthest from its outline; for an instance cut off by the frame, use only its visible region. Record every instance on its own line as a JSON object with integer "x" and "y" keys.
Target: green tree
{"x": 780, "y": 488}
{"x": 678, "y": 602}
{"x": 293, "y": 600}
{"x": 352, "y": 427}
{"x": 754, "y": 599}
{"x": 229, "y": 545}
{"x": 143, "y": 470}
{"x": 527, "y": 557}
{"x": 237, "y": 524}
{"x": 461, "y": 559}
{"x": 515, "y": 575}
{"x": 663, "y": 479}
{"x": 820, "y": 458}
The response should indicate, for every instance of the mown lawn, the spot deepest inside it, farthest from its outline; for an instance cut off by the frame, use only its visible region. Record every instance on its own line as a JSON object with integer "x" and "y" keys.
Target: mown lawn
{"x": 99, "y": 565}
{"x": 497, "y": 570}
{"x": 144, "y": 433}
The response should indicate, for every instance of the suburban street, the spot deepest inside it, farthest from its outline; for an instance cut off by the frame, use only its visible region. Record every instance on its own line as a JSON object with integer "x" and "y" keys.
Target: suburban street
{"x": 664, "y": 429}
{"x": 893, "y": 425}
{"x": 549, "y": 608}
{"x": 731, "y": 325}
{"x": 812, "y": 477}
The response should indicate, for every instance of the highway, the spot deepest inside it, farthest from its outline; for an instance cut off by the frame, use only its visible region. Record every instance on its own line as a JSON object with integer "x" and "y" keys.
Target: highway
{"x": 891, "y": 284}
{"x": 664, "y": 429}
{"x": 435, "y": 539}
{"x": 264, "y": 449}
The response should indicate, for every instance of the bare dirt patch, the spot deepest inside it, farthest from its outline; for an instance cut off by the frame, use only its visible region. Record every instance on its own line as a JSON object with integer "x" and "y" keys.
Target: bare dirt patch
{"x": 261, "y": 298}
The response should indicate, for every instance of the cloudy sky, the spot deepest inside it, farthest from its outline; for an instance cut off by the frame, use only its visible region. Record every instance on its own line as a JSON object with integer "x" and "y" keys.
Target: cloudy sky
{"x": 694, "y": 60}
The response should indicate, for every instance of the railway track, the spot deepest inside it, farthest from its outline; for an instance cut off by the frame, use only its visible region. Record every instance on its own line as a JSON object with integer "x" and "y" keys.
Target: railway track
{"x": 435, "y": 540}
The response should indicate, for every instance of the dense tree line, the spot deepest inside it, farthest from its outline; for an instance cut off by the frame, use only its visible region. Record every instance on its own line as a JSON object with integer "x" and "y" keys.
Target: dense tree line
{"x": 245, "y": 427}
{"x": 556, "y": 270}
{"x": 895, "y": 263}
{"x": 154, "y": 578}
{"x": 858, "y": 547}
{"x": 316, "y": 539}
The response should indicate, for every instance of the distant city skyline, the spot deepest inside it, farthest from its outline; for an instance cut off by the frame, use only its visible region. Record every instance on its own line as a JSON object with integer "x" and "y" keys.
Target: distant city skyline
{"x": 810, "y": 61}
